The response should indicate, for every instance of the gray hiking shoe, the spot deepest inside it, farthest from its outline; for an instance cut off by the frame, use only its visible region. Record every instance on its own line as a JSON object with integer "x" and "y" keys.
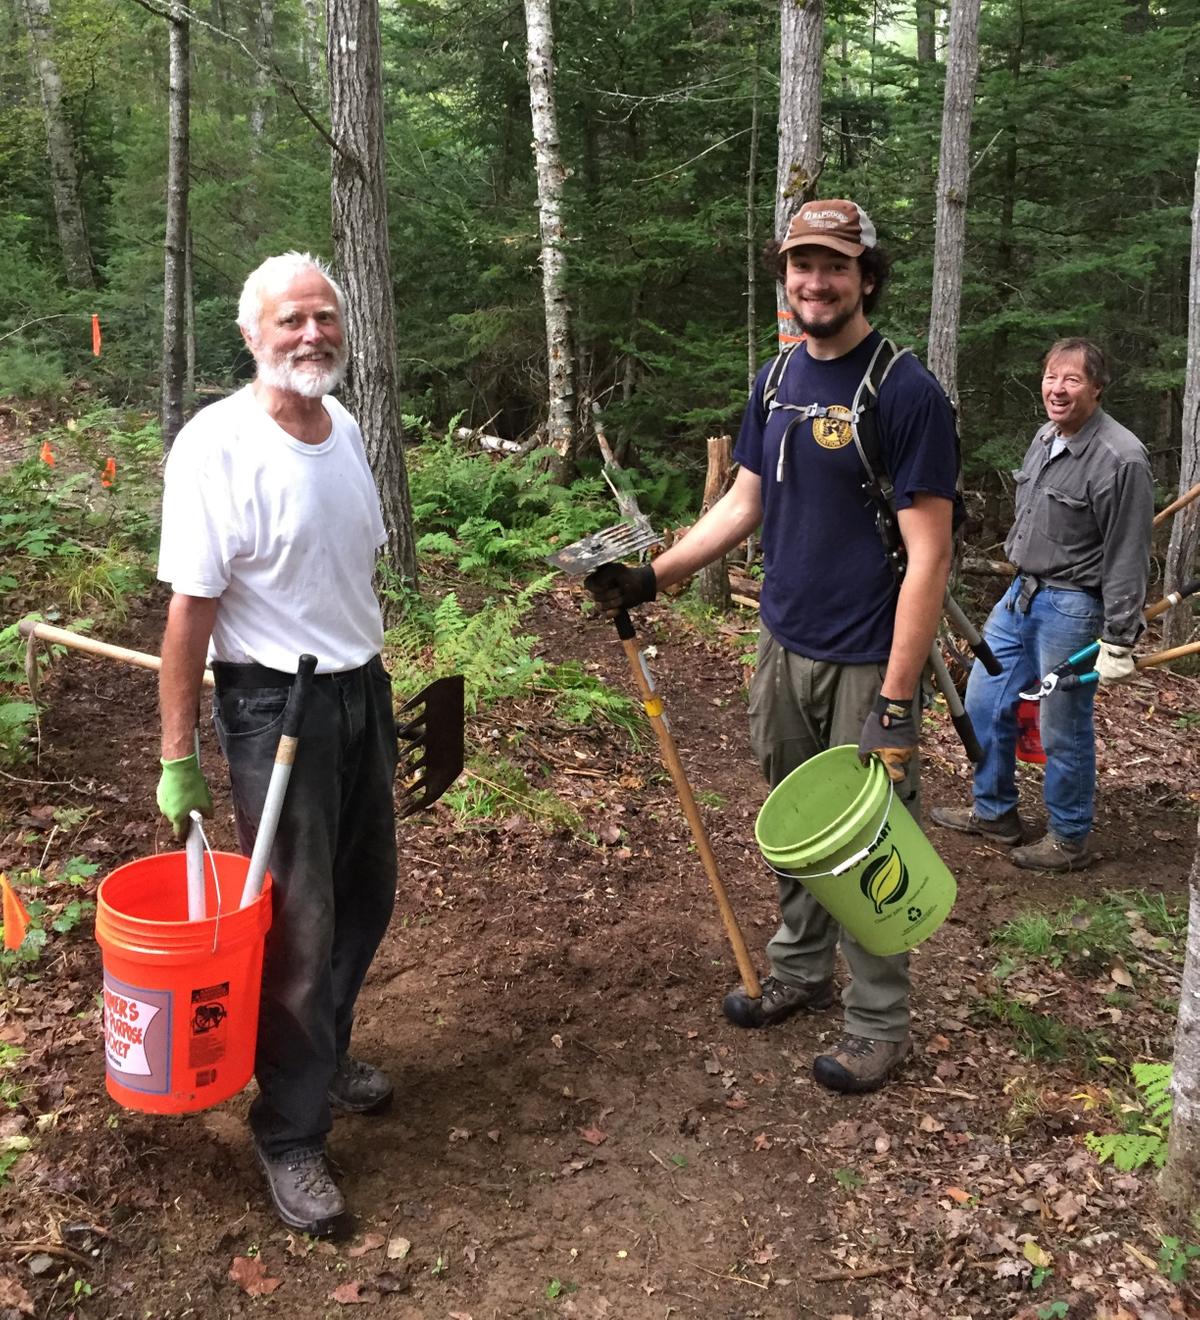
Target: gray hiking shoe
{"x": 1004, "y": 829}
{"x": 856, "y": 1063}
{"x": 1054, "y": 854}
{"x": 304, "y": 1194}
{"x": 359, "y": 1088}
{"x": 779, "y": 1001}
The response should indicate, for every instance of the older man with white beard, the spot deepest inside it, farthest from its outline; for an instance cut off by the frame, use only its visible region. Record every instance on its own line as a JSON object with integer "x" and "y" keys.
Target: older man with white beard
{"x": 271, "y": 527}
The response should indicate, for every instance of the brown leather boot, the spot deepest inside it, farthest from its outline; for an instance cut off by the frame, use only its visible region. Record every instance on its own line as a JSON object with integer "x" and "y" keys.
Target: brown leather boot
{"x": 1054, "y": 854}
{"x": 1004, "y": 829}
{"x": 856, "y": 1063}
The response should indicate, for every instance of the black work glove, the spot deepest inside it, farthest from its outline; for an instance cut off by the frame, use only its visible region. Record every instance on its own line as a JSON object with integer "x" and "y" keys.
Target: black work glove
{"x": 615, "y": 587}
{"x": 890, "y": 732}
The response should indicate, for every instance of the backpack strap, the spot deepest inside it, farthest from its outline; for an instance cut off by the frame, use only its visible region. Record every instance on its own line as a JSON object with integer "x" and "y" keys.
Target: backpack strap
{"x": 775, "y": 378}
{"x": 864, "y": 426}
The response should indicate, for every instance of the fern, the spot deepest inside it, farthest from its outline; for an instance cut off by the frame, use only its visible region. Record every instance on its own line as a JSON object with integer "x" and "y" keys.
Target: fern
{"x": 1148, "y": 1145}
{"x": 1154, "y": 1082}
{"x": 1128, "y": 1150}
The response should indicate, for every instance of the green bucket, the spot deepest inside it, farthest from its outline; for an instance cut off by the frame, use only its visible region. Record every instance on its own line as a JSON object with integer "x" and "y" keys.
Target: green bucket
{"x": 837, "y": 826}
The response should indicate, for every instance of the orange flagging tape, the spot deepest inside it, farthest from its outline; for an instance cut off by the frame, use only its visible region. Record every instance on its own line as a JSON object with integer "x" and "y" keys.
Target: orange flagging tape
{"x": 110, "y": 473}
{"x": 16, "y": 919}
{"x": 46, "y": 454}
{"x": 95, "y": 335}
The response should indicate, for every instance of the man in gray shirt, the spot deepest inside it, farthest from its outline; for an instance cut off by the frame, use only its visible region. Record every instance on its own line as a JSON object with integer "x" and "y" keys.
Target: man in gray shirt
{"x": 1081, "y": 544}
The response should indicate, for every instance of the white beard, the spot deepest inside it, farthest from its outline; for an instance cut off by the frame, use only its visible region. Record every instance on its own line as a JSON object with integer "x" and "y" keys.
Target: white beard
{"x": 303, "y": 378}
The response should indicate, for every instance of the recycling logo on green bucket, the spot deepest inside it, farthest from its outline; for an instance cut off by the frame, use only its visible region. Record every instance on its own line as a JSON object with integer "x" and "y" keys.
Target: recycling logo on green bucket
{"x": 885, "y": 881}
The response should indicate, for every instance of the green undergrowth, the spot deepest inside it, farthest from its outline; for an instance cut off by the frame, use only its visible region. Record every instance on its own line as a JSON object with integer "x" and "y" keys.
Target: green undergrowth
{"x": 1089, "y": 932}
{"x": 57, "y": 903}
{"x": 1045, "y": 1037}
{"x": 78, "y": 527}
{"x": 1144, "y": 1120}
{"x": 497, "y": 657}
{"x": 494, "y": 789}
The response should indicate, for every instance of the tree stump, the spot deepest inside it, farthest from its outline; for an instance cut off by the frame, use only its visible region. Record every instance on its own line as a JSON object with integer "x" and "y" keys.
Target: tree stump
{"x": 714, "y": 578}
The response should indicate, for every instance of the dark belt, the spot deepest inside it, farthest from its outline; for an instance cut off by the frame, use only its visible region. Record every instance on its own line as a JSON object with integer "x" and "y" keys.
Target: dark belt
{"x": 227, "y": 676}
{"x": 1031, "y": 584}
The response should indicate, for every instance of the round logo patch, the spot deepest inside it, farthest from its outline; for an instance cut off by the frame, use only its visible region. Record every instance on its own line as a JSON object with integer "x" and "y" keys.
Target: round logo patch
{"x": 833, "y": 431}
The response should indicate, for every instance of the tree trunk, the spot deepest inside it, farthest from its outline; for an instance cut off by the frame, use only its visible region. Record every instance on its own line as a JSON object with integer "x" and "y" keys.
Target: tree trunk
{"x": 926, "y": 39}
{"x": 714, "y": 577}
{"x": 801, "y": 47}
{"x": 189, "y": 321}
{"x": 174, "y": 339}
{"x": 311, "y": 48}
{"x": 560, "y": 365}
{"x": 264, "y": 37}
{"x": 360, "y": 242}
{"x": 752, "y": 237}
{"x": 60, "y": 149}
{"x": 1185, "y": 531}
{"x": 1181, "y": 1176}
{"x": 954, "y": 180}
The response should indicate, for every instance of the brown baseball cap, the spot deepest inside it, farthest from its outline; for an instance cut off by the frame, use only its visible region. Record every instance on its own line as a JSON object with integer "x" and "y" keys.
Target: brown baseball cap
{"x": 838, "y": 224}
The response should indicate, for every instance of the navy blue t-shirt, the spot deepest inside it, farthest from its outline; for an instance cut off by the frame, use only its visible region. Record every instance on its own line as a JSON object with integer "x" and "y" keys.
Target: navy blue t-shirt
{"x": 828, "y": 592}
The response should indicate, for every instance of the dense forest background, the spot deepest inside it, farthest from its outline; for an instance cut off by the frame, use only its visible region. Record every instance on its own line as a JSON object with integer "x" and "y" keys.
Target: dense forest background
{"x": 1083, "y": 150}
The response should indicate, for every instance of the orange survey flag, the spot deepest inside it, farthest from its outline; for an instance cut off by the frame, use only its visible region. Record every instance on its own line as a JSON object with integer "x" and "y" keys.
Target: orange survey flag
{"x": 110, "y": 473}
{"x": 47, "y": 454}
{"x": 95, "y": 335}
{"x": 16, "y": 919}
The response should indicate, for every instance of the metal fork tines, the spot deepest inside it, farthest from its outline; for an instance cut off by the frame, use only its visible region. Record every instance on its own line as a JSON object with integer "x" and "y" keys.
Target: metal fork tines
{"x": 617, "y": 542}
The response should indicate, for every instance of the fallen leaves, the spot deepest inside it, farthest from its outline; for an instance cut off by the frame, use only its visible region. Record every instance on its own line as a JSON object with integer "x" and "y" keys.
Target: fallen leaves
{"x": 593, "y": 1136}
{"x": 351, "y": 1293}
{"x": 250, "y": 1275}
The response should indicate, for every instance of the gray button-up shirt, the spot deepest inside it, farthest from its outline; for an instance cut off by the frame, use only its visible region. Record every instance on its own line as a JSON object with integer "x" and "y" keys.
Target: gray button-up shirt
{"x": 1084, "y": 518}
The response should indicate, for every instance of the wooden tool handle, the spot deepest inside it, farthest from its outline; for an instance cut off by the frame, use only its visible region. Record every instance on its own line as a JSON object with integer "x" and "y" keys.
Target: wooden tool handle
{"x": 1185, "y": 499}
{"x": 654, "y": 710}
{"x": 78, "y": 642}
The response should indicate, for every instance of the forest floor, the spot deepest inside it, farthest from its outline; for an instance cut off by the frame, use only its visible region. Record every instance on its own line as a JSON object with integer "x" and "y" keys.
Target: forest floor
{"x": 577, "y": 1130}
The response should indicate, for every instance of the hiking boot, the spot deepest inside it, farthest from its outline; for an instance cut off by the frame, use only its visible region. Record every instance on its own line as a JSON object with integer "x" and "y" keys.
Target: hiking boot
{"x": 1004, "y": 829}
{"x": 305, "y": 1196}
{"x": 359, "y": 1088}
{"x": 858, "y": 1064}
{"x": 1054, "y": 854}
{"x": 779, "y": 1001}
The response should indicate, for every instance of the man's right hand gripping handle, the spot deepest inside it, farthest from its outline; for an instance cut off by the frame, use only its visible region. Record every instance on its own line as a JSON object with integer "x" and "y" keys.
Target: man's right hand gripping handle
{"x": 182, "y": 789}
{"x": 615, "y": 587}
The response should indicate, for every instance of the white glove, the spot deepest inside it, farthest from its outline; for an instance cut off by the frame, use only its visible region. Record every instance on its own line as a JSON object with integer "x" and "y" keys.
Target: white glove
{"x": 1115, "y": 664}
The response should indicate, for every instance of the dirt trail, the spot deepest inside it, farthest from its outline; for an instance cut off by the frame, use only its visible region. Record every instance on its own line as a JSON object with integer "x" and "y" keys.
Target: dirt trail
{"x": 577, "y": 1131}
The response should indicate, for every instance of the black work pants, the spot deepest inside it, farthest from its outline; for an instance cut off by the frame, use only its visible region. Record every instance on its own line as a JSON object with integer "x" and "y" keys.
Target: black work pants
{"x": 333, "y": 870}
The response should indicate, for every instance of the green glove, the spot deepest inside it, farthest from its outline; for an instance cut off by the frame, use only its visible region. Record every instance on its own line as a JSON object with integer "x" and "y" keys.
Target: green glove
{"x": 182, "y": 789}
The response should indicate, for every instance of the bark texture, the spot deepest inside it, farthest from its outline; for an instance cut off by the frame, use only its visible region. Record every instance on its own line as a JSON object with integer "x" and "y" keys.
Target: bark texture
{"x": 752, "y": 237}
{"x": 1185, "y": 531}
{"x": 560, "y": 363}
{"x": 714, "y": 578}
{"x": 360, "y": 241}
{"x": 953, "y": 184}
{"x": 175, "y": 261}
{"x": 801, "y": 46}
{"x": 264, "y": 35}
{"x": 1181, "y": 1177}
{"x": 60, "y": 148}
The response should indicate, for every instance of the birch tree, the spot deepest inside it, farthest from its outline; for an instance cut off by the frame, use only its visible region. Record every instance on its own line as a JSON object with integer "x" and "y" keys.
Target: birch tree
{"x": 175, "y": 260}
{"x": 953, "y": 183}
{"x": 801, "y": 47}
{"x": 560, "y": 361}
{"x": 1185, "y": 531}
{"x": 1181, "y": 1176}
{"x": 360, "y": 242}
{"x": 60, "y": 148}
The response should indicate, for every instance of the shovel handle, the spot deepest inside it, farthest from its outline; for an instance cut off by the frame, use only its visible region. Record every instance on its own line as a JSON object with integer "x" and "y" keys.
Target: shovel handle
{"x": 281, "y": 772}
{"x": 46, "y": 632}
{"x": 653, "y": 706}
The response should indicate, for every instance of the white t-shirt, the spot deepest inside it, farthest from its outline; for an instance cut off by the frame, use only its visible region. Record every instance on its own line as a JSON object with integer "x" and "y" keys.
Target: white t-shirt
{"x": 284, "y": 532}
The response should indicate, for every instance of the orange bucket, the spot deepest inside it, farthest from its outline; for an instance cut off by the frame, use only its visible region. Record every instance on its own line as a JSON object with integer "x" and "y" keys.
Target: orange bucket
{"x": 180, "y": 997}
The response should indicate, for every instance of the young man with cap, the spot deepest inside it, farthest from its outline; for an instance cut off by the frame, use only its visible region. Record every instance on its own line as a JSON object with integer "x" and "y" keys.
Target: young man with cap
{"x": 1081, "y": 543}
{"x": 842, "y": 649}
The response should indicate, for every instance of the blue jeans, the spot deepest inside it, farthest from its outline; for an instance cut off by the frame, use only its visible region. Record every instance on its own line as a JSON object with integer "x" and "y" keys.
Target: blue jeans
{"x": 333, "y": 865}
{"x": 1029, "y": 645}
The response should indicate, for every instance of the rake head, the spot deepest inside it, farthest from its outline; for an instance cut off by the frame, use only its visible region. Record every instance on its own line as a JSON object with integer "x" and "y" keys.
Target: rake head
{"x": 431, "y": 743}
{"x": 617, "y": 542}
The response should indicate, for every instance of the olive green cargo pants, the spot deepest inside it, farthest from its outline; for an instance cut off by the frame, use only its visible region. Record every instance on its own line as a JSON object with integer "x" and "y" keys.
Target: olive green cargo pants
{"x": 799, "y": 707}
